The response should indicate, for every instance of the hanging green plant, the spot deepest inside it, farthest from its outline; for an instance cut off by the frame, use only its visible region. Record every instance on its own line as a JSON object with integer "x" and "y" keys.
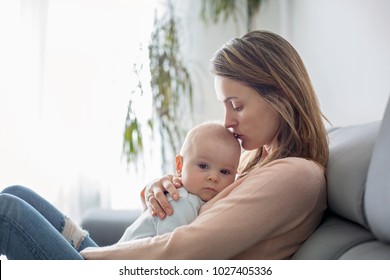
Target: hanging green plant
{"x": 171, "y": 88}
{"x": 214, "y": 10}
{"x": 132, "y": 135}
{"x": 170, "y": 81}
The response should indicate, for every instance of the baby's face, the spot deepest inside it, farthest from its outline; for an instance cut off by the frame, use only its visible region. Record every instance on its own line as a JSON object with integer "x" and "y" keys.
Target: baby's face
{"x": 209, "y": 167}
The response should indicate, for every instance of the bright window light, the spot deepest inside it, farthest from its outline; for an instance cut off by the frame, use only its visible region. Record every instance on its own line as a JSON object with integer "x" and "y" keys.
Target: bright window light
{"x": 68, "y": 76}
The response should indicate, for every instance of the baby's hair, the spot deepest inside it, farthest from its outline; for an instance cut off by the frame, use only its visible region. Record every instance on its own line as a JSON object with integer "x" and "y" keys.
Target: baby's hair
{"x": 209, "y": 131}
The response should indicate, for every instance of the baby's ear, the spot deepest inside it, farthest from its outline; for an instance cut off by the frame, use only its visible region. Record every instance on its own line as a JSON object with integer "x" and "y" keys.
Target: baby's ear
{"x": 179, "y": 165}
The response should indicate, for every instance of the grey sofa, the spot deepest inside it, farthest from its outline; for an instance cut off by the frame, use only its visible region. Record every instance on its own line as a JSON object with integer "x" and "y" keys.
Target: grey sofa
{"x": 357, "y": 222}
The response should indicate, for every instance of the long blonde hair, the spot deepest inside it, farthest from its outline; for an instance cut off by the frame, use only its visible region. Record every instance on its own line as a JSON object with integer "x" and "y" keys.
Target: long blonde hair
{"x": 270, "y": 65}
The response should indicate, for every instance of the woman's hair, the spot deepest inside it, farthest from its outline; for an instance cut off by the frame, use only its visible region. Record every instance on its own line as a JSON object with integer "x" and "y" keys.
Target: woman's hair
{"x": 267, "y": 63}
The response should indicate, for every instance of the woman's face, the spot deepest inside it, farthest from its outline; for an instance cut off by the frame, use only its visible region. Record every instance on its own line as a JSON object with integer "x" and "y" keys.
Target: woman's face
{"x": 247, "y": 114}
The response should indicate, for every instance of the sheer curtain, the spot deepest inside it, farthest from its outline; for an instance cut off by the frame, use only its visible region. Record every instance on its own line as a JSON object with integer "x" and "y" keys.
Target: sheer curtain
{"x": 66, "y": 79}
{"x": 22, "y": 27}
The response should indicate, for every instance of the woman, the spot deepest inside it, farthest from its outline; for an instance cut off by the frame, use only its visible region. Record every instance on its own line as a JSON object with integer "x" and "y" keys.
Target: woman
{"x": 273, "y": 206}
{"x": 279, "y": 199}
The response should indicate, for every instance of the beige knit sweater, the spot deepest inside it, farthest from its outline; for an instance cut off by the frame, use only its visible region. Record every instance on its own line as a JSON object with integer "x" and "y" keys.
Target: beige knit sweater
{"x": 265, "y": 215}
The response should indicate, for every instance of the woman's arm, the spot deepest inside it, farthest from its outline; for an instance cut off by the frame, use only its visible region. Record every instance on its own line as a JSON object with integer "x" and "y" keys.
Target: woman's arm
{"x": 266, "y": 205}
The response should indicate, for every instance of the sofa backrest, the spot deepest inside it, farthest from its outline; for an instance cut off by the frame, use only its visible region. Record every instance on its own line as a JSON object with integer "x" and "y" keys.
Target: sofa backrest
{"x": 356, "y": 225}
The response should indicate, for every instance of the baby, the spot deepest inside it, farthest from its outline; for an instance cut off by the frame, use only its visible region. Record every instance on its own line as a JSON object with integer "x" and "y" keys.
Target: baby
{"x": 207, "y": 164}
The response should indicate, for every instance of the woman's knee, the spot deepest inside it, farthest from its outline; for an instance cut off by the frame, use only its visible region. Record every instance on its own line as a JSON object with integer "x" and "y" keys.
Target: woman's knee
{"x": 17, "y": 190}
{"x": 8, "y": 203}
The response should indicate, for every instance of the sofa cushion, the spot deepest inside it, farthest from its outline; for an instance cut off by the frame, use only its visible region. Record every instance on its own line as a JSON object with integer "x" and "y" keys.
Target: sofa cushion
{"x": 371, "y": 250}
{"x": 333, "y": 239}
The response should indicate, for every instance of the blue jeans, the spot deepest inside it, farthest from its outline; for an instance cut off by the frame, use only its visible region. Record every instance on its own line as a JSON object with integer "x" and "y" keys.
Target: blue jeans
{"x": 33, "y": 229}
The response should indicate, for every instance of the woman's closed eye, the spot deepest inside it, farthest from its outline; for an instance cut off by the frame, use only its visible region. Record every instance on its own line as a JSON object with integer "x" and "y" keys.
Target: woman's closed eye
{"x": 237, "y": 107}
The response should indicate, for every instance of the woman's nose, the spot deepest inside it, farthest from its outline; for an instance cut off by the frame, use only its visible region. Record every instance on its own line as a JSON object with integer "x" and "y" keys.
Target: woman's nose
{"x": 229, "y": 121}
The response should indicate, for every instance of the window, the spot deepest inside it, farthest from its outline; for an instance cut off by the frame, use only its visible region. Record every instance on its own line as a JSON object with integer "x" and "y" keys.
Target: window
{"x": 68, "y": 77}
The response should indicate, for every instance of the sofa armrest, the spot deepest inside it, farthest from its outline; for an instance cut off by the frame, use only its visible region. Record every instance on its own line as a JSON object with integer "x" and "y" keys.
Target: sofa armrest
{"x": 106, "y": 226}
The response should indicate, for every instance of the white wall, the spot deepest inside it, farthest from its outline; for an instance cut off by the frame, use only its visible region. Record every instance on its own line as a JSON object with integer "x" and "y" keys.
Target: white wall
{"x": 344, "y": 43}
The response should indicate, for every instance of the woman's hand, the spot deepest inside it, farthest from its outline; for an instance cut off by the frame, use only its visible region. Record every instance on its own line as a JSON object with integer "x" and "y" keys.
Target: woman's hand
{"x": 93, "y": 253}
{"x": 154, "y": 195}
